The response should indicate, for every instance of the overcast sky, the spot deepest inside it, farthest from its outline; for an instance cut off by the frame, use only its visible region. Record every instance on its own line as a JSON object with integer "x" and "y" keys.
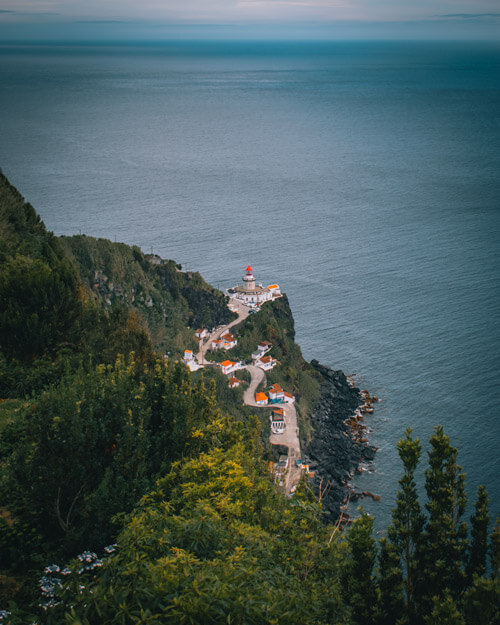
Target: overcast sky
{"x": 472, "y": 19}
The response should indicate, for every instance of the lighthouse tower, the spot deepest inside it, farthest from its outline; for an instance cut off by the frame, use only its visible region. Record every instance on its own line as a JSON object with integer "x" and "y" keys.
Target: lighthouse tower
{"x": 248, "y": 279}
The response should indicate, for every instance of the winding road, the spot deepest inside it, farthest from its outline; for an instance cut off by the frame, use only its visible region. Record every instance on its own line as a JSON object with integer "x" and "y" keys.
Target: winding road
{"x": 290, "y": 437}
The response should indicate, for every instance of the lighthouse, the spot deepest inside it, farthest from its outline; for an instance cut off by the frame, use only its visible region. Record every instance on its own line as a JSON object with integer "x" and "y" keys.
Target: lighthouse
{"x": 251, "y": 293}
{"x": 248, "y": 279}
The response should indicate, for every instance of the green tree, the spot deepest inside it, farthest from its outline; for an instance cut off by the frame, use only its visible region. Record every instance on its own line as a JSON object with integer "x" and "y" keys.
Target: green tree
{"x": 445, "y": 535}
{"x": 478, "y": 549}
{"x": 495, "y": 550}
{"x": 405, "y": 532}
{"x": 90, "y": 447}
{"x": 215, "y": 543}
{"x": 359, "y": 585}
{"x": 390, "y": 603}
{"x": 481, "y": 602}
{"x": 445, "y": 611}
{"x": 39, "y": 304}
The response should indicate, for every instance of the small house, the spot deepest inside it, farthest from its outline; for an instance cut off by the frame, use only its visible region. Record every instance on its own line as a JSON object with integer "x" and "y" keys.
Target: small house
{"x": 278, "y": 422}
{"x": 228, "y": 366}
{"x": 266, "y": 363}
{"x": 261, "y": 399}
{"x": 274, "y": 290}
{"x": 201, "y": 333}
{"x": 276, "y": 394}
{"x": 228, "y": 340}
{"x": 264, "y": 347}
{"x": 234, "y": 382}
{"x": 188, "y": 355}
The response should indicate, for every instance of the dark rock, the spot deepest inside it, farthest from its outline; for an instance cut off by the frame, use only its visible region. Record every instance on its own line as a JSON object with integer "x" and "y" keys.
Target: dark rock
{"x": 333, "y": 450}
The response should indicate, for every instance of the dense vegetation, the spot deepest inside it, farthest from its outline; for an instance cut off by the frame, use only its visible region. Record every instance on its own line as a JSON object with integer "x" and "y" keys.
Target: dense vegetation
{"x": 98, "y": 447}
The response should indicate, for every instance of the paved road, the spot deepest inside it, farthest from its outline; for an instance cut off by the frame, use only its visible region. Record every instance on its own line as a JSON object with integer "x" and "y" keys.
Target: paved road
{"x": 290, "y": 436}
{"x": 257, "y": 375}
{"x": 242, "y": 312}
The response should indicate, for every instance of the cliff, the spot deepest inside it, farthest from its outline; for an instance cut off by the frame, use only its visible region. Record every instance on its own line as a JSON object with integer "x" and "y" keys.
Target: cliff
{"x": 91, "y": 296}
{"x": 172, "y": 303}
{"x": 333, "y": 452}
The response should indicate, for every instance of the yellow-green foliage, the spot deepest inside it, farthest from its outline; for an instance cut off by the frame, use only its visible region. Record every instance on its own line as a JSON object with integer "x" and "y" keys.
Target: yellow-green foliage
{"x": 216, "y": 543}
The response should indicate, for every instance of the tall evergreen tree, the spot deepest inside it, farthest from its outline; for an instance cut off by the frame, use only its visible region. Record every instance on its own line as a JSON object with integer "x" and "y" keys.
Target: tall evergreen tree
{"x": 405, "y": 532}
{"x": 359, "y": 586}
{"x": 495, "y": 550}
{"x": 476, "y": 562}
{"x": 445, "y": 535}
{"x": 390, "y": 602}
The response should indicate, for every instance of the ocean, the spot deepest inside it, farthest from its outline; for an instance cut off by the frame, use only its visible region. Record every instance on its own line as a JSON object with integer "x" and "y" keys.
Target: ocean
{"x": 362, "y": 177}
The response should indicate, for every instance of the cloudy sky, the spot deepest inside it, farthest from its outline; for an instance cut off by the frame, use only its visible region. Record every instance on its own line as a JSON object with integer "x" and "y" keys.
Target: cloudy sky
{"x": 472, "y": 19}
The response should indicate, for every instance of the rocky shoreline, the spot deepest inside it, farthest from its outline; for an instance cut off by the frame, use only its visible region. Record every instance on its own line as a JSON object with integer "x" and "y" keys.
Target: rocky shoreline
{"x": 338, "y": 447}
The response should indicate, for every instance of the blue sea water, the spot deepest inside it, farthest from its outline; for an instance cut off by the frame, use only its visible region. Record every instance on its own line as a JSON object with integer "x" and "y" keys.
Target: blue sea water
{"x": 362, "y": 177}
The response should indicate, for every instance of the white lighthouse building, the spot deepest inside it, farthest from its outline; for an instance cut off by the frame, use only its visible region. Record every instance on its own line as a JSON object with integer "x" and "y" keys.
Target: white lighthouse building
{"x": 251, "y": 293}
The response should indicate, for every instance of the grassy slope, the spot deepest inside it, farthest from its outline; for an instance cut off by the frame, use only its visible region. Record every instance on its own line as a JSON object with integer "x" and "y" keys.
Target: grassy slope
{"x": 173, "y": 303}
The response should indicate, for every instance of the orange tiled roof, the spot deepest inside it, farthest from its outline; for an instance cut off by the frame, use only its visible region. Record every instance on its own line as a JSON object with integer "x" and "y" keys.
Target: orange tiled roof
{"x": 260, "y": 397}
{"x": 273, "y": 286}
{"x": 278, "y": 411}
{"x": 276, "y": 388}
{"x": 227, "y": 363}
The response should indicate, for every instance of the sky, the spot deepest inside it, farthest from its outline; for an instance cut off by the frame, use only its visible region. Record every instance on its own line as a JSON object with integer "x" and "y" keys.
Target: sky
{"x": 316, "y": 19}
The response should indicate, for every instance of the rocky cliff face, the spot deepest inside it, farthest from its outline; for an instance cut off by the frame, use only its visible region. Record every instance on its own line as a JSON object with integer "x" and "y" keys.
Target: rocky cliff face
{"x": 333, "y": 453}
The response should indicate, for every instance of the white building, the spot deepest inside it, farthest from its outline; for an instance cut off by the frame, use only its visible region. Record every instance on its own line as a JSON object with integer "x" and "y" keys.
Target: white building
{"x": 276, "y": 394}
{"x": 228, "y": 366}
{"x": 251, "y": 293}
{"x": 201, "y": 333}
{"x": 225, "y": 342}
{"x": 262, "y": 348}
{"x": 266, "y": 363}
{"x": 261, "y": 399}
{"x": 278, "y": 421}
{"x": 188, "y": 355}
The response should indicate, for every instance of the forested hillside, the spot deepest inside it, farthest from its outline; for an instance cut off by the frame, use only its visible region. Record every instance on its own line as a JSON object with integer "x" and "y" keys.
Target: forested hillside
{"x": 134, "y": 492}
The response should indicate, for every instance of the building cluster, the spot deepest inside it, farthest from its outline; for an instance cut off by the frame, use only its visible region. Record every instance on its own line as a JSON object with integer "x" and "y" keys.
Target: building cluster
{"x": 226, "y": 341}
{"x": 262, "y": 359}
{"x": 252, "y": 295}
{"x": 275, "y": 395}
